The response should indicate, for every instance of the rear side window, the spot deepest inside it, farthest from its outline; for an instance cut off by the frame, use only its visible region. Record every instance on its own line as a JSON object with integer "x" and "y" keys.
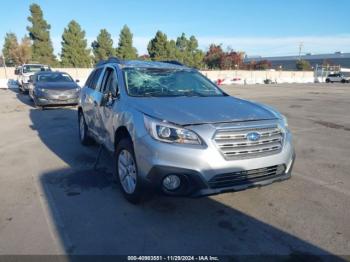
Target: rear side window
{"x": 93, "y": 78}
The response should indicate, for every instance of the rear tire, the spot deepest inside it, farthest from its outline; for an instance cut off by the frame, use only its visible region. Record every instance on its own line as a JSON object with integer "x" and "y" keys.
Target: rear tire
{"x": 127, "y": 172}
{"x": 84, "y": 137}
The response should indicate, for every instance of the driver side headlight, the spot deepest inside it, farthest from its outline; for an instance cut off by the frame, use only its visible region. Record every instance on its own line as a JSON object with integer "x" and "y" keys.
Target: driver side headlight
{"x": 170, "y": 133}
{"x": 284, "y": 121}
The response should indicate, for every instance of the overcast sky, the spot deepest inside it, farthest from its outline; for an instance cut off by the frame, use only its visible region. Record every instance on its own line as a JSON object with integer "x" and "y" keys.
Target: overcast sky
{"x": 267, "y": 28}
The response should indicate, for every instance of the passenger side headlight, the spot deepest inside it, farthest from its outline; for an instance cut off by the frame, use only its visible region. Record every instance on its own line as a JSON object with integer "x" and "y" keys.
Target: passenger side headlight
{"x": 170, "y": 133}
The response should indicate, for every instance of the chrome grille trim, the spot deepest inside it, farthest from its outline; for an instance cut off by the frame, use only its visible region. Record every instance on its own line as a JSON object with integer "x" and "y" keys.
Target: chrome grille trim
{"x": 233, "y": 143}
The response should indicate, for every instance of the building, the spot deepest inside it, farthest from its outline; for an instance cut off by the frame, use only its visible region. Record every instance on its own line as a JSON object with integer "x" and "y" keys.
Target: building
{"x": 289, "y": 62}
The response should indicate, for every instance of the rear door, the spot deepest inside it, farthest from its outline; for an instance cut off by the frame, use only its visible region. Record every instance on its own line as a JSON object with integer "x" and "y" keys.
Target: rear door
{"x": 90, "y": 98}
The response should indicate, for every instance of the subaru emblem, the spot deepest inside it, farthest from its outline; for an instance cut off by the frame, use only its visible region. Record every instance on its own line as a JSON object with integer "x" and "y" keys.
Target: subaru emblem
{"x": 253, "y": 136}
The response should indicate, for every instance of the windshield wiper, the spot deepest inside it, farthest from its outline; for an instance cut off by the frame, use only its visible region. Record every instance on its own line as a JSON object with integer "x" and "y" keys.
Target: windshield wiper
{"x": 193, "y": 93}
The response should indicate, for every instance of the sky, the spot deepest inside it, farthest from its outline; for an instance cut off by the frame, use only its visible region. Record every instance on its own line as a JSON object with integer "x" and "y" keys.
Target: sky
{"x": 257, "y": 27}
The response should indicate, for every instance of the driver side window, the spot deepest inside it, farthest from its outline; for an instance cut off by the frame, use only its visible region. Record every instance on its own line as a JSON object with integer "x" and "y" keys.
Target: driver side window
{"x": 110, "y": 82}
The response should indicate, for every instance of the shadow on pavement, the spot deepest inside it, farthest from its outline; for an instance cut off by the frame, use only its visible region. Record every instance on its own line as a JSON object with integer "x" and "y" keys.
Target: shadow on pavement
{"x": 92, "y": 217}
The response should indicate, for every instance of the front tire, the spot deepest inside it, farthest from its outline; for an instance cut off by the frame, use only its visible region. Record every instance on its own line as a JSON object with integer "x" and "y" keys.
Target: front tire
{"x": 84, "y": 137}
{"x": 126, "y": 171}
{"x": 327, "y": 80}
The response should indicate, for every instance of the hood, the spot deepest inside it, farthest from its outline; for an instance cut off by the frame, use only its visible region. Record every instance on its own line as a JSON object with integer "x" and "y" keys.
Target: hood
{"x": 28, "y": 74}
{"x": 200, "y": 110}
{"x": 57, "y": 85}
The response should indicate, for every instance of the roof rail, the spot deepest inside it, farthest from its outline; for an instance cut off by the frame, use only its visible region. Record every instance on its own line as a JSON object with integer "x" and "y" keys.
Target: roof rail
{"x": 114, "y": 59}
{"x": 174, "y": 62}
{"x": 111, "y": 59}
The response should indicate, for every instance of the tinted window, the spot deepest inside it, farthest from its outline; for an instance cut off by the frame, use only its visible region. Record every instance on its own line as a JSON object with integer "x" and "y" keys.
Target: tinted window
{"x": 54, "y": 77}
{"x": 93, "y": 78}
{"x": 31, "y": 68}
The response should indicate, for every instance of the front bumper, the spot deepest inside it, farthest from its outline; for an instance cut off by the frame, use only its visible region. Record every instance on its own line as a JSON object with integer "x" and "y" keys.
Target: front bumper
{"x": 197, "y": 167}
{"x": 25, "y": 86}
{"x": 40, "y": 101}
{"x": 193, "y": 185}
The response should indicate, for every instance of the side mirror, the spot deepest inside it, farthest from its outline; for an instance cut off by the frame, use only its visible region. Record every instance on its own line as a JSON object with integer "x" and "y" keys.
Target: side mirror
{"x": 77, "y": 80}
{"x": 16, "y": 71}
{"x": 108, "y": 99}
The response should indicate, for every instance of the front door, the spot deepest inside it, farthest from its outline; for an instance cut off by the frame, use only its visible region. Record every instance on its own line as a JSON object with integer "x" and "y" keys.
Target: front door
{"x": 106, "y": 109}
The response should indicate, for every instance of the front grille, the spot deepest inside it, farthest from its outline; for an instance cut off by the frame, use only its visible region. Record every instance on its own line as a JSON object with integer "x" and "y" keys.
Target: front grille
{"x": 246, "y": 176}
{"x": 63, "y": 92}
{"x": 233, "y": 142}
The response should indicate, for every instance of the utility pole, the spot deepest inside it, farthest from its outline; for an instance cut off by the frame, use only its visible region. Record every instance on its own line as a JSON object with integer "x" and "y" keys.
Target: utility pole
{"x": 301, "y": 45}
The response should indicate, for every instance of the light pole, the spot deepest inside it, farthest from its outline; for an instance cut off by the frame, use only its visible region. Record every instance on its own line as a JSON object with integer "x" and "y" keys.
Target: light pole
{"x": 4, "y": 64}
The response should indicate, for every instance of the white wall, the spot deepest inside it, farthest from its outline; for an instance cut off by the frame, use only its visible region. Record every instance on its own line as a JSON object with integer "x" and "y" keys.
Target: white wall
{"x": 247, "y": 77}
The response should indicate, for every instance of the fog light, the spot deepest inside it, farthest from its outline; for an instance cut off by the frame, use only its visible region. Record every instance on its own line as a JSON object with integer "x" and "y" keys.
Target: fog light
{"x": 171, "y": 182}
{"x": 280, "y": 170}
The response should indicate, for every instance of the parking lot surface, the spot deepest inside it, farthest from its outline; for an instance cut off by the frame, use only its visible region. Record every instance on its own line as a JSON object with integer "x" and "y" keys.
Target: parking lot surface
{"x": 54, "y": 202}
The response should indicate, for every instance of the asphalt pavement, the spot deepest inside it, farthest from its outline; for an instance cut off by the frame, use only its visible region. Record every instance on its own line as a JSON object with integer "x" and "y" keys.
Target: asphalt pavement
{"x": 54, "y": 202}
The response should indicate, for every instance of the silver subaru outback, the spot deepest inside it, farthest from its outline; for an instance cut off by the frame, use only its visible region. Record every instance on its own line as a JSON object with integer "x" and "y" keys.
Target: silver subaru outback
{"x": 170, "y": 128}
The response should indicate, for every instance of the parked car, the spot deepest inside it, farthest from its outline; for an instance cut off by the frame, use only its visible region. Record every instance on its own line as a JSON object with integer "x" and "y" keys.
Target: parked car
{"x": 24, "y": 72}
{"x": 170, "y": 128}
{"x": 338, "y": 77}
{"x": 53, "y": 88}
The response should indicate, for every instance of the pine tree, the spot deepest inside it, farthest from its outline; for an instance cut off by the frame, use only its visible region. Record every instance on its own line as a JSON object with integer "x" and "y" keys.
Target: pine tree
{"x": 74, "y": 47}
{"x": 125, "y": 49}
{"x": 102, "y": 47}
{"x": 40, "y": 35}
{"x": 9, "y": 47}
{"x": 188, "y": 52}
{"x": 159, "y": 48}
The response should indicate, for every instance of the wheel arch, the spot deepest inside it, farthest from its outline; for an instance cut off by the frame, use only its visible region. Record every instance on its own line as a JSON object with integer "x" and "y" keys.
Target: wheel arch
{"x": 120, "y": 133}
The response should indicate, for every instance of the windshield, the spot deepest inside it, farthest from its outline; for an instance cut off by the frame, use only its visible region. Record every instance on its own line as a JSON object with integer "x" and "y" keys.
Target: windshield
{"x": 31, "y": 68}
{"x": 157, "y": 82}
{"x": 54, "y": 77}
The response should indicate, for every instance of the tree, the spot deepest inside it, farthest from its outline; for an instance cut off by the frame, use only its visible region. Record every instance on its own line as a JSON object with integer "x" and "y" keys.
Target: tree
{"x": 263, "y": 65}
{"x": 9, "y": 47}
{"x": 187, "y": 51}
{"x": 231, "y": 60}
{"x": 125, "y": 49}
{"x": 159, "y": 48}
{"x": 213, "y": 56}
{"x": 74, "y": 47}
{"x": 102, "y": 47}
{"x": 16, "y": 53}
{"x": 40, "y": 35}
{"x": 303, "y": 65}
{"x": 23, "y": 53}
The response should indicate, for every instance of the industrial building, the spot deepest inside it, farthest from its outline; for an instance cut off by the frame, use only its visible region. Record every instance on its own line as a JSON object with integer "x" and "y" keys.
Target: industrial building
{"x": 316, "y": 60}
